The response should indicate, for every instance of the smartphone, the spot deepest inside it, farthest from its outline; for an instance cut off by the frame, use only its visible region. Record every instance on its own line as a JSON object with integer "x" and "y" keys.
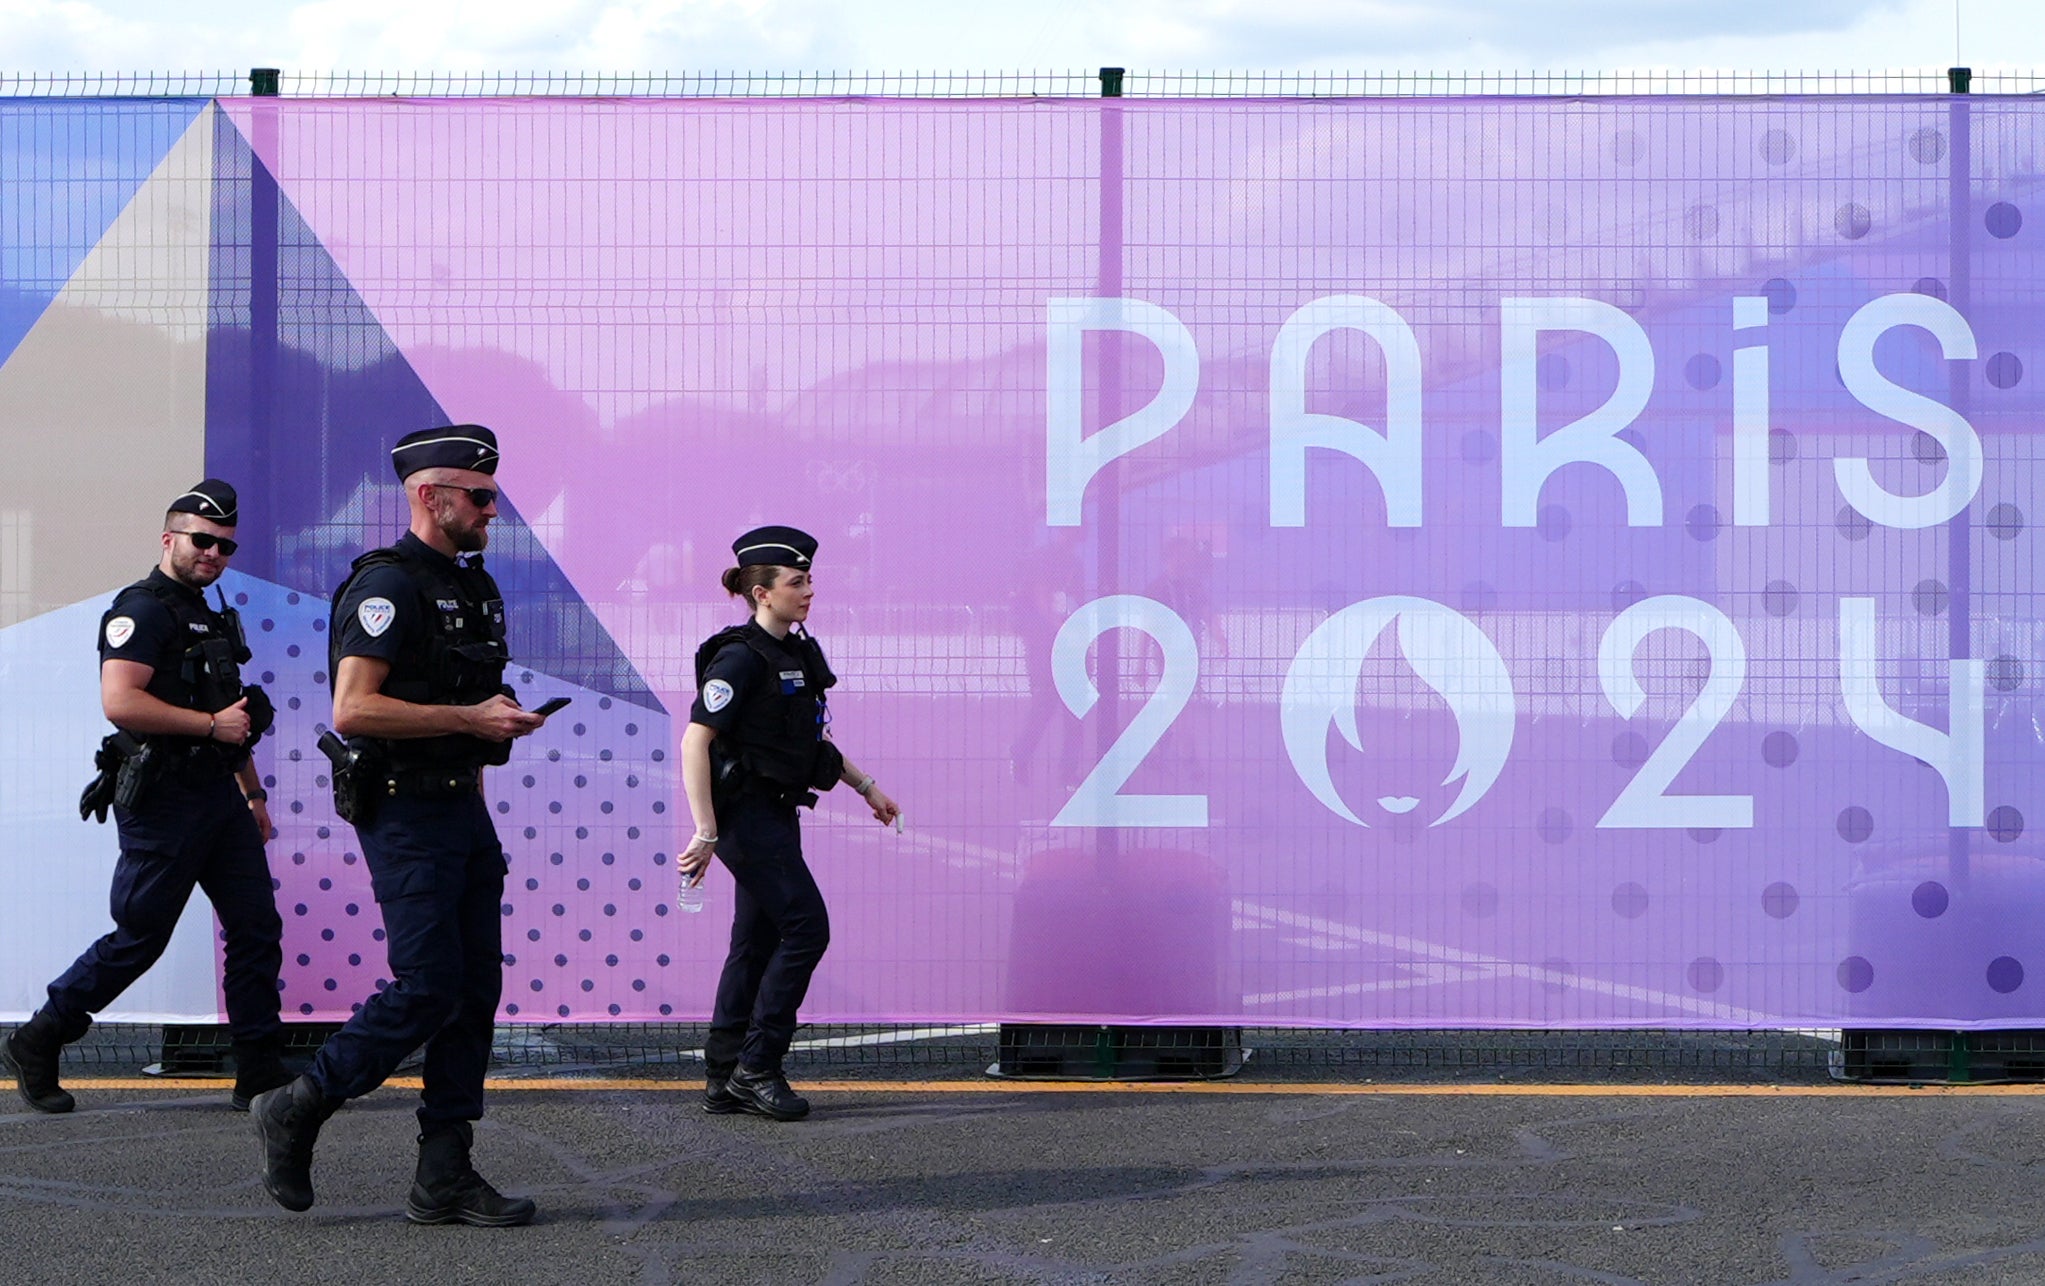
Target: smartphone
{"x": 549, "y": 706}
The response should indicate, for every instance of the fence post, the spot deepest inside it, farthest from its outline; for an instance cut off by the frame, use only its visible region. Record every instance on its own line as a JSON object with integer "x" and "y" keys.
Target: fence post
{"x": 264, "y": 350}
{"x": 1108, "y": 284}
{"x": 1959, "y": 377}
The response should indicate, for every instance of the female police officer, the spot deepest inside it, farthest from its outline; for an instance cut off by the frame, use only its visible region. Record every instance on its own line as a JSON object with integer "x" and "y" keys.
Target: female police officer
{"x": 755, "y": 749}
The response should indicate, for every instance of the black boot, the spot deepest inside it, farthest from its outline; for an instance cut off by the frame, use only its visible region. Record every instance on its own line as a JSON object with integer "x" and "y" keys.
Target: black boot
{"x": 766, "y": 1094}
{"x": 447, "y": 1188}
{"x": 288, "y": 1122}
{"x": 718, "y": 1100}
{"x": 258, "y": 1069}
{"x": 31, "y": 1053}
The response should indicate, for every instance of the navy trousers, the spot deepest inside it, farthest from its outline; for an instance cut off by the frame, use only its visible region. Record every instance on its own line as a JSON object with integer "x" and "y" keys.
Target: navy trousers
{"x": 186, "y": 834}
{"x": 438, "y": 873}
{"x": 778, "y": 933}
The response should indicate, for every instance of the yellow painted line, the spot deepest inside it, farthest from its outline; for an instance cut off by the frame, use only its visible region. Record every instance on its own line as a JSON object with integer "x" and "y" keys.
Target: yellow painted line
{"x": 993, "y": 1086}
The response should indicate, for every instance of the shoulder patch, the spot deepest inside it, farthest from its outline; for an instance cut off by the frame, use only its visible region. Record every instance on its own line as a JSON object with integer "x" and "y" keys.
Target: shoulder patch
{"x": 716, "y": 695}
{"x": 376, "y": 615}
{"x": 120, "y": 630}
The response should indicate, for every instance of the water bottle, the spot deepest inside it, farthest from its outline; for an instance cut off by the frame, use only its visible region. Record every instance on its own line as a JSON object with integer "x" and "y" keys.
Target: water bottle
{"x": 689, "y": 895}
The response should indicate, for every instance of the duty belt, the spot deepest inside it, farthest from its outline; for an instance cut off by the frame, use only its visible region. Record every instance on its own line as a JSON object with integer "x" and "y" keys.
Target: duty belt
{"x": 195, "y": 764}
{"x": 767, "y": 788}
{"x": 427, "y": 783}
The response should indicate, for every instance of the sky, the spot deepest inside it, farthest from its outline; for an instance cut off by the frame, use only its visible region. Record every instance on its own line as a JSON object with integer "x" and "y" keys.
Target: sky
{"x": 1046, "y": 35}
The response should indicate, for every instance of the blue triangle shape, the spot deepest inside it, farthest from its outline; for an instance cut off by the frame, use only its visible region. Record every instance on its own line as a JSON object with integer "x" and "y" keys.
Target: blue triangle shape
{"x": 305, "y": 392}
{"x": 72, "y": 166}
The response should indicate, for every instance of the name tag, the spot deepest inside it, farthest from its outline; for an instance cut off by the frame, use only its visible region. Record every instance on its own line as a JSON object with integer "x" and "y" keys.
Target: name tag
{"x": 791, "y": 681}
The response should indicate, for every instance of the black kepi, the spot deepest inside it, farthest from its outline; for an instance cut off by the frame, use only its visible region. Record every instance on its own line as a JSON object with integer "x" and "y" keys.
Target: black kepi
{"x": 775, "y": 547}
{"x": 212, "y": 500}
{"x": 451, "y": 446}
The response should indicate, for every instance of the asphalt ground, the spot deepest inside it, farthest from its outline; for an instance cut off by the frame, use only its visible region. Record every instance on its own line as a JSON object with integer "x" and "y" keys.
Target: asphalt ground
{"x": 1259, "y": 1178}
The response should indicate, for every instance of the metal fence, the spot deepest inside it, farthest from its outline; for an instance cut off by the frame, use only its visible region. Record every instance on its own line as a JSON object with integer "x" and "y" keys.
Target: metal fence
{"x": 674, "y": 1049}
{"x": 656, "y": 1052}
{"x": 1003, "y": 84}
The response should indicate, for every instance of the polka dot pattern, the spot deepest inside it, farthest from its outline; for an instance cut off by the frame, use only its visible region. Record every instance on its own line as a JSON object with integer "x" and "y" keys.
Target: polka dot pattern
{"x": 582, "y": 810}
{"x": 1778, "y": 147}
{"x": 2005, "y": 974}
{"x": 1855, "y": 974}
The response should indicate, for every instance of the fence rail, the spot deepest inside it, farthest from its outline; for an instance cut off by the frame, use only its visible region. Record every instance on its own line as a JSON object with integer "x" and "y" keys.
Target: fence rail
{"x": 658, "y": 1051}
{"x": 1003, "y": 84}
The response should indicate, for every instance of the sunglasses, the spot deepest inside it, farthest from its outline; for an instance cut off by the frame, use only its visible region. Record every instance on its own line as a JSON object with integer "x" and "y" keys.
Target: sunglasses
{"x": 204, "y": 540}
{"x": 480, "y": 497}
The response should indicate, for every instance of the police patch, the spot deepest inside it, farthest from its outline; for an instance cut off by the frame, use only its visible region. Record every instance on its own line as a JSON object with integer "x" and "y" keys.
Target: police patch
{"x": 716, "y": 695}
{"x": 376, "y": 615}
{"x": 120, "y": 630}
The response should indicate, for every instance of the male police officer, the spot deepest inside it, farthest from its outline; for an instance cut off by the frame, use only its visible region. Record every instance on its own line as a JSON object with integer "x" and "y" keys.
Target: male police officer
{"x": 418, "y": 655}
{"x": 187, "y": 802}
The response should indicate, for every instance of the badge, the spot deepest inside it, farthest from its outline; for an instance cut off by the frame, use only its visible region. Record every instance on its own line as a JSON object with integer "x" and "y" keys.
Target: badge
{"x": 716, "y": 695}
{"x": 791, "y": 680}
{"x": 120, "y": 630}
{"x": 376, "y": 615}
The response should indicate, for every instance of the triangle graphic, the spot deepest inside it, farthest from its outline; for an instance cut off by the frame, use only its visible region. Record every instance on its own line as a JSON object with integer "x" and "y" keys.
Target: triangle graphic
{"x": 305, "y": 393}
{"x": 72, "y": 166}
{"x": 102, "y": 402}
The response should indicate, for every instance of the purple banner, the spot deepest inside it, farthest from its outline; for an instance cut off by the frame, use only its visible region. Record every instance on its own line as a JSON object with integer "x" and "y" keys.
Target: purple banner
{"x": 1380, "y": 563}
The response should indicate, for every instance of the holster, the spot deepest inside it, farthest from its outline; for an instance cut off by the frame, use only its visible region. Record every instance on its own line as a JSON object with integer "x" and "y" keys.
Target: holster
{"x": 138, "y": 772}
{"x": 101, "y": 791}
{"x": 727, "y": 776}
{"x": 829, "y": 767}
{"x": 354, "y": 800}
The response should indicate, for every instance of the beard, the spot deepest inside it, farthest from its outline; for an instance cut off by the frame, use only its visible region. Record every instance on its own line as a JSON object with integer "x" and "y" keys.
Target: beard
{"x": 469, "y": 533}
{"x": 187, "y": 569}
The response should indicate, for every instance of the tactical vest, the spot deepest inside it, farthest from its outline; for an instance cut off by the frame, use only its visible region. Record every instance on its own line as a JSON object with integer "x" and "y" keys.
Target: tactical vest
{"x": 780, "y": 730}
{"x": 207, "y": 676}
{"x": 457, "y": 660}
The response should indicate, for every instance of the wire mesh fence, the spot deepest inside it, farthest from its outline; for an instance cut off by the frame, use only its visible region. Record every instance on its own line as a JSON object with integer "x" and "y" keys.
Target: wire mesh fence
{"x": 673, "y": 1050}
{"x": 1003, "y": 84}
{"x": 659, "y": 1052}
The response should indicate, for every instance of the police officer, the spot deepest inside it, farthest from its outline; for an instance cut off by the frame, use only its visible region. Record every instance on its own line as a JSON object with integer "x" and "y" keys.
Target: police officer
{"x": 187, "y": 803}
{"x": 756, "y": 748}
{"x": 418, "y": 655}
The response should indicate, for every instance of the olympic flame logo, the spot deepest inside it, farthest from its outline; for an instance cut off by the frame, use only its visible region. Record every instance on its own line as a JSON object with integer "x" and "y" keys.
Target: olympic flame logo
{"x": 1449, "y": 654}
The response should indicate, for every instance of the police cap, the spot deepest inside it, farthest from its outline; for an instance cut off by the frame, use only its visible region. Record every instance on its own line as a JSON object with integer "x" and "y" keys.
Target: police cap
{"x": 775, "y": 547}
{"x": 451, "y": 446}
{"x": 212, "y": 500}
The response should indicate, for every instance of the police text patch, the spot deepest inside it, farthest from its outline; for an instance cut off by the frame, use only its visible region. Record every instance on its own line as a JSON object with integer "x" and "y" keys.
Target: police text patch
{"x": 716, "y": 695}
{"x": 376, "y": 615}
{"x": 120, "y": 630}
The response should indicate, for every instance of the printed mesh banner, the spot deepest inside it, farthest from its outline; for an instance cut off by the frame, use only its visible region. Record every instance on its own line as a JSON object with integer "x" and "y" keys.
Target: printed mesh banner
{"x": 1379, "y": 563}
